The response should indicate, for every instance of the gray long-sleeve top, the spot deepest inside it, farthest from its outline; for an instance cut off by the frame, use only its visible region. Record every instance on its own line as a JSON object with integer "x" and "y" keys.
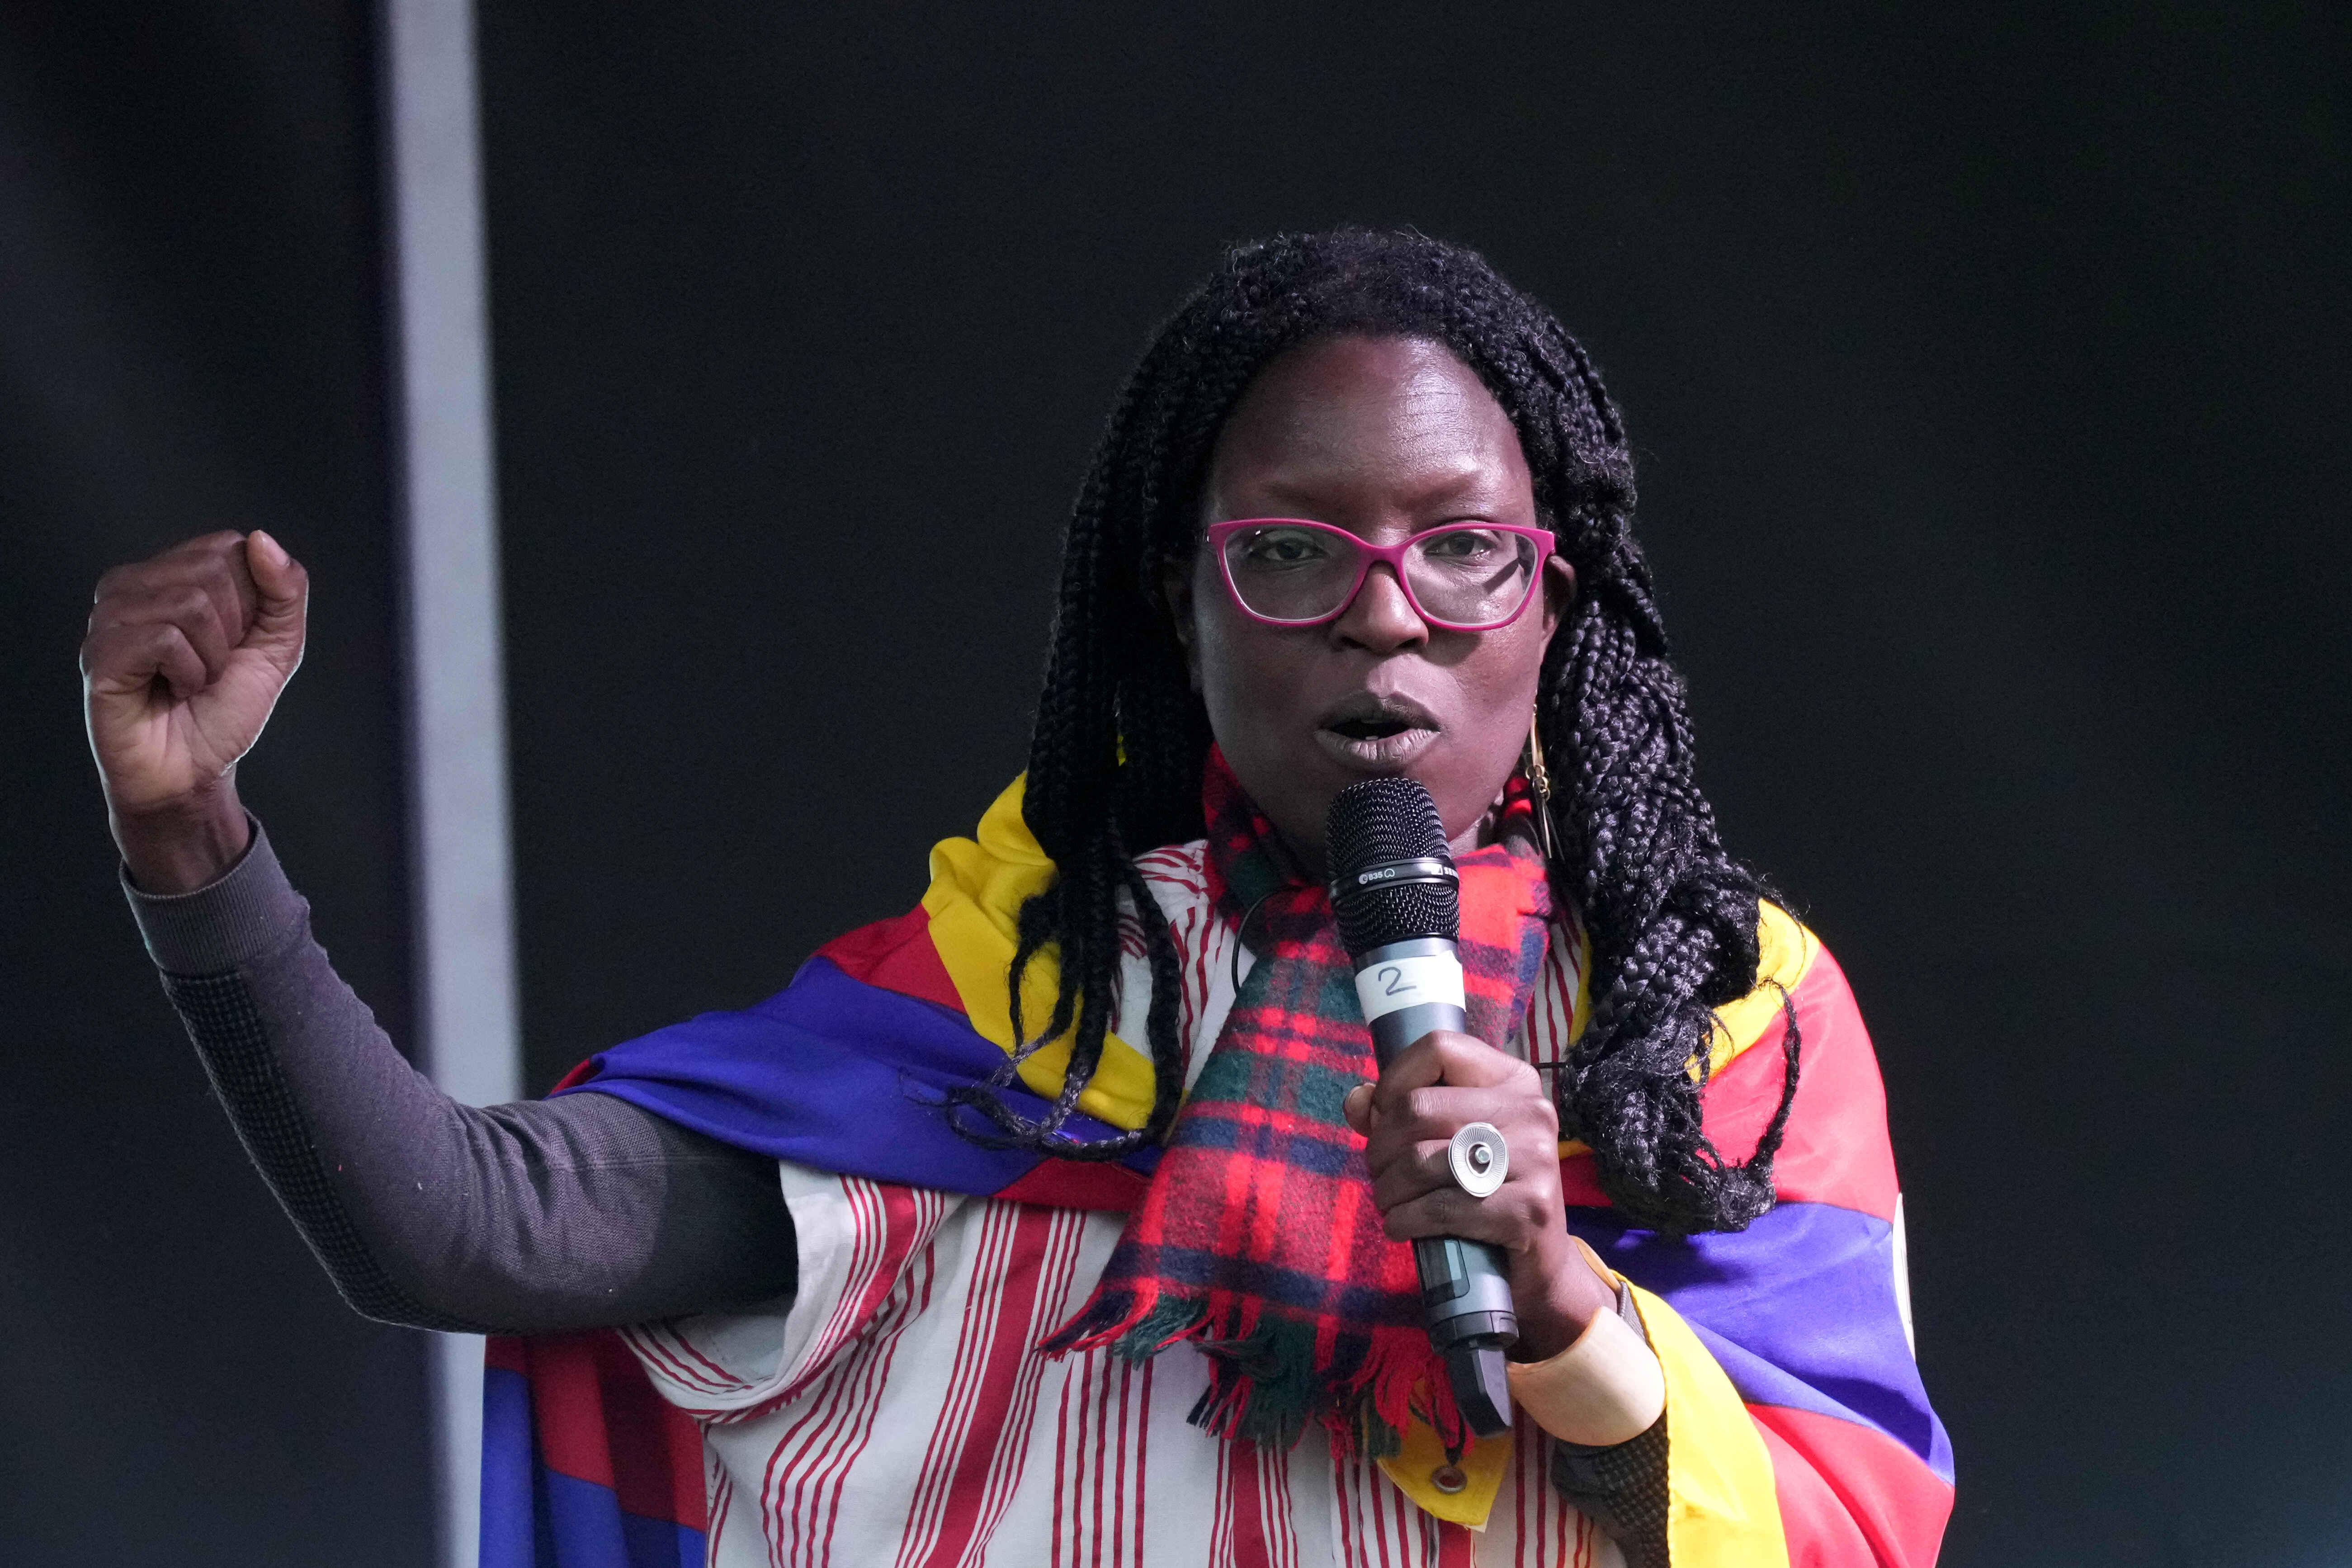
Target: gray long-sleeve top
{"x": 544, "y": 1214}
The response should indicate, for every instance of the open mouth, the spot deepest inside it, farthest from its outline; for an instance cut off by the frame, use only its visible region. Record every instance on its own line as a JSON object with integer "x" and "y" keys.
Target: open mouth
{"x": 1375, "y": 734}
{"x": 1370, "y": 728}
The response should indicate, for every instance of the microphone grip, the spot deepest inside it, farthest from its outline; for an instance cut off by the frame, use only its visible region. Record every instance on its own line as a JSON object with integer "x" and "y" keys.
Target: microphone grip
{"x": 1466, "y": 1289}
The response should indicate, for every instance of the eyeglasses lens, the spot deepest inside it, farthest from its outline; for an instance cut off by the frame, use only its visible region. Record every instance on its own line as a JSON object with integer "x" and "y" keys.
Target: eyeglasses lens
{"x": 1291, "y": 573}
{"x": 1470, "y": 576}
{"x": 1464, "y": 577}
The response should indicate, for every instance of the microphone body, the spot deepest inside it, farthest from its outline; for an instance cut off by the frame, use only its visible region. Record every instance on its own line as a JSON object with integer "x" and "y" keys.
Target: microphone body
{"x": 1394, "y": 890}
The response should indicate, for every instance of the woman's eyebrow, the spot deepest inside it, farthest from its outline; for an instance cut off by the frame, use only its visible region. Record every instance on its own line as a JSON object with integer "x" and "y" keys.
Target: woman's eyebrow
{"x": 1478, "y": 484}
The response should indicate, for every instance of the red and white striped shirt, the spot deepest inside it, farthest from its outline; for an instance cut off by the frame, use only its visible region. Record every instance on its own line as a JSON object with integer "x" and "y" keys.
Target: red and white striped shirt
{"x": 899, "y": 1413}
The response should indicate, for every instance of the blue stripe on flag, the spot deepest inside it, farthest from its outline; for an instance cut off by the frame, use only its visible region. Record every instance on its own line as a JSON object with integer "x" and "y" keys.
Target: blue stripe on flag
{"x": 1798, "y": 1308}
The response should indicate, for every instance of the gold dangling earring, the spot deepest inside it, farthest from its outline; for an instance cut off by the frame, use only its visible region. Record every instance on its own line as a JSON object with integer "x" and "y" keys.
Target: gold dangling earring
{"x": 1539, "y": 784}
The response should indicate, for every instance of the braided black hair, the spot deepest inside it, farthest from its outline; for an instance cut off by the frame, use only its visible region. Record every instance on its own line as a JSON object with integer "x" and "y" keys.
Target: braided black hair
{"x": 1115, "y": 760}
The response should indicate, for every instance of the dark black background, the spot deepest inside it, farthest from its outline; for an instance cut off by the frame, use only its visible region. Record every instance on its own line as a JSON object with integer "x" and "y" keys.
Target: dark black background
{"x": 189, "y": 340}
{"x": 1987, "y": 369}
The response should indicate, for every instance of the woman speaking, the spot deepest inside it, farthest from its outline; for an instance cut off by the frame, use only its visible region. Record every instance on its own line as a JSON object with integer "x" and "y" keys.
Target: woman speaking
{"x": 1065, "y": 1219}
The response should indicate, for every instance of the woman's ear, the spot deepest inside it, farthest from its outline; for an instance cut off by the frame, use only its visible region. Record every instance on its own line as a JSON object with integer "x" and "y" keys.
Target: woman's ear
{"x": 1176, "y": 595}
{"x": 1560, "y": 592}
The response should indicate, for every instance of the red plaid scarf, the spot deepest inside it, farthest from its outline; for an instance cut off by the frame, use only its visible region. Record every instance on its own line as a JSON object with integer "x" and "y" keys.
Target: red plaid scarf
{"x": 1259, "y": 1240}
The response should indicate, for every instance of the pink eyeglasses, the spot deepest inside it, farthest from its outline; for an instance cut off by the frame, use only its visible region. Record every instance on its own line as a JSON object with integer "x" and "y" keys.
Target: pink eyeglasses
{"x": 1465, "y": 578}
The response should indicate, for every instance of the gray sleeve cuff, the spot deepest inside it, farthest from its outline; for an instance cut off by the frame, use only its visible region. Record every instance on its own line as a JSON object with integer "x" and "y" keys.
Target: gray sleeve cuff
{"x": 249, "y": 911}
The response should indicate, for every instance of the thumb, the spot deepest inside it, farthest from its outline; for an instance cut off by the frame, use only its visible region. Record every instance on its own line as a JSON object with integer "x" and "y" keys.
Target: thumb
{"x": 281, "y": 589}
{"x": 1358, "y": 1109}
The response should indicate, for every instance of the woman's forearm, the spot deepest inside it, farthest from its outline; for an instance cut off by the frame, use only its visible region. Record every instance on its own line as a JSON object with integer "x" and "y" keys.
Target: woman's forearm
{"x": 540, "y": 1215}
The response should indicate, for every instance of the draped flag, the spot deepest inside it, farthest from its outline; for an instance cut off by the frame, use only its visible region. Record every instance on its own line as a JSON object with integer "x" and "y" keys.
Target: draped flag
{"x": 1806, "y": 1312}
{"x": 1799, "y": 1432}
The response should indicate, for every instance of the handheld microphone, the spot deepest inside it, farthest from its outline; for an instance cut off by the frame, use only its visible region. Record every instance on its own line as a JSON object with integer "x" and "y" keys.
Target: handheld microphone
{"x": 1397, "y": 895}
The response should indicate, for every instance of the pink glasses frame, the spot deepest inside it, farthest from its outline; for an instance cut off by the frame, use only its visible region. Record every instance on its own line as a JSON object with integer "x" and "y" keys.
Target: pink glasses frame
{"x": 1546, "y": 544}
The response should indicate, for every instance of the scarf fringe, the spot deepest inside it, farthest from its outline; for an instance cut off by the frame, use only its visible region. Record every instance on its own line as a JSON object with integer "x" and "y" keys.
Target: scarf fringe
{"x": 1269, "y": 1379}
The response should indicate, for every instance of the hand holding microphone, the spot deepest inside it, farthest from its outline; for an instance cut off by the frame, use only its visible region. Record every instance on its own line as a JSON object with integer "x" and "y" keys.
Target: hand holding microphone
{"x": 1500, "y": 1277}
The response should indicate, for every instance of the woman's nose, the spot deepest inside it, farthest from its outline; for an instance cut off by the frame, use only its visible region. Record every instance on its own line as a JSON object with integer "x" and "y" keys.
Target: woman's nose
{"x": 1380, "y": 617}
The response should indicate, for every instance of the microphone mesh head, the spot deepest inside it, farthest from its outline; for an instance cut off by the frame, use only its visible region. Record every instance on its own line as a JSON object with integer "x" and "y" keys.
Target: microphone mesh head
{"x": 1376, "y": 823}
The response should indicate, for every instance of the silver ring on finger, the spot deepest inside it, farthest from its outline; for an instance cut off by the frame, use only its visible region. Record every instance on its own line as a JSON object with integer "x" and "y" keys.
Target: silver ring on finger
{"x": 1478, "y": 1159}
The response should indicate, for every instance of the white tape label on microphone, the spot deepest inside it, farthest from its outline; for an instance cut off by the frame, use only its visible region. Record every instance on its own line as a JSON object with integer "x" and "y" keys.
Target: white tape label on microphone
{"x": 1396, "y": 983}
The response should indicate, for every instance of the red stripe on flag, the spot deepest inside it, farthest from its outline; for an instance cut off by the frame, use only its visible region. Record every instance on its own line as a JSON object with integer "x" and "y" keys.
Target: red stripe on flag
{"x": 1579, "y": 1187}
{"x": 598, "y": 1419}
{"x": 1835, "y": 1149}
{"x": 1851, "y": 1494}
{"x": 896, "y": 956}
{"x": 1078, "y": 1184}
{"x": 579, "y": 1074}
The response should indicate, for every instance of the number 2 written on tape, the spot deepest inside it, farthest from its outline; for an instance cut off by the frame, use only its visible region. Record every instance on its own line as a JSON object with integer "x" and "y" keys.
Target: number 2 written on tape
{"x": 1408, "y": 982}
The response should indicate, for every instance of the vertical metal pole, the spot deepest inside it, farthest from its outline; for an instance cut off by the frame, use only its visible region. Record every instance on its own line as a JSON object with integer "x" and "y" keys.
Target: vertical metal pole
{"x": 461, "y": 873}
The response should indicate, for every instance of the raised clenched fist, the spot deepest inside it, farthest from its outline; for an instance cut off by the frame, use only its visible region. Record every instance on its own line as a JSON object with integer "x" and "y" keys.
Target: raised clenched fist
{"x": 184, "y": 659}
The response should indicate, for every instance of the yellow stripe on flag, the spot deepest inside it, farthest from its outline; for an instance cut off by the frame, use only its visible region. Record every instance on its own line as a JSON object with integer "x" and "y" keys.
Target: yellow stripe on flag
{"x": 1721, "y": 1508}
{"x": 977, "y": 886}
